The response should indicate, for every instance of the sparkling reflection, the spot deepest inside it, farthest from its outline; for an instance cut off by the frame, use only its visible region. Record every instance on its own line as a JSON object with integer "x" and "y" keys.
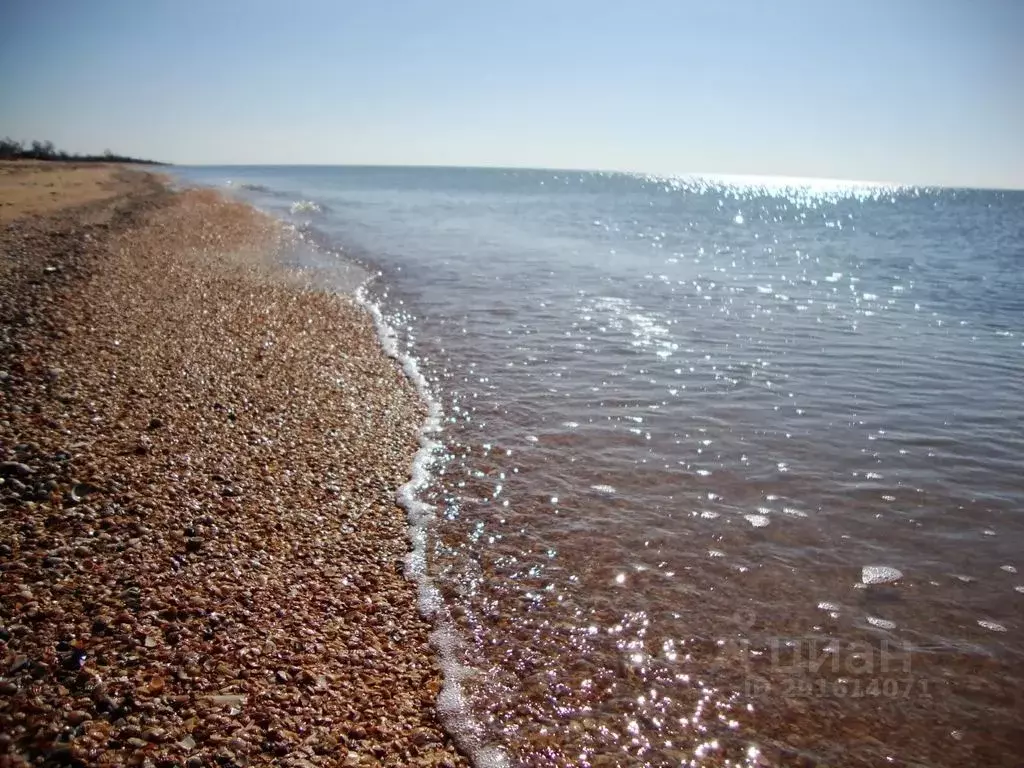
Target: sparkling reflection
{"x": 714, "y": 449}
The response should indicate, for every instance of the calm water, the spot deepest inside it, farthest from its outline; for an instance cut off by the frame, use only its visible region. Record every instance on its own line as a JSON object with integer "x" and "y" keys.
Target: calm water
{"x": 732, "y": 471}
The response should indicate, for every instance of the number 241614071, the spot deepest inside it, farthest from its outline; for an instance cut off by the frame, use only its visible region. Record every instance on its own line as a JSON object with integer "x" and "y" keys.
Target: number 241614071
{"x": 887, "y": 687}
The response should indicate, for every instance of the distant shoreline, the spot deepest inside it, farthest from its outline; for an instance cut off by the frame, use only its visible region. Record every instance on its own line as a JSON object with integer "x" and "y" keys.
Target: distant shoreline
{"x": 45, "y": 151}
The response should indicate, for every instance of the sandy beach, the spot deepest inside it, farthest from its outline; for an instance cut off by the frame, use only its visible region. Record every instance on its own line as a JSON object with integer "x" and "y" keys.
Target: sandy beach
{"x": 200, "y": 552}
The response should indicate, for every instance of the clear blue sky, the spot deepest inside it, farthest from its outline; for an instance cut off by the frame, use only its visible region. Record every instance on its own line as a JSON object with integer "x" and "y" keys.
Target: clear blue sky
{"x": 928, "y": 91}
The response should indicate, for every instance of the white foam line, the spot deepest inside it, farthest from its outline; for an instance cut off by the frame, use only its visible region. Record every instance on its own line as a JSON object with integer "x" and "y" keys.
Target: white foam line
{"x": 452, "y": 707}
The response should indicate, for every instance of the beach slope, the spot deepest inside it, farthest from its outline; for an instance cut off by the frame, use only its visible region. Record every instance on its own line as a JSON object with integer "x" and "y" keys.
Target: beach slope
{"x": 200, "y": 552}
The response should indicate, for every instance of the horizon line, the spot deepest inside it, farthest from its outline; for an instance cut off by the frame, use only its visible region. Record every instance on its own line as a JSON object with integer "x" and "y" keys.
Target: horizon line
{"x": 779, "y": 179}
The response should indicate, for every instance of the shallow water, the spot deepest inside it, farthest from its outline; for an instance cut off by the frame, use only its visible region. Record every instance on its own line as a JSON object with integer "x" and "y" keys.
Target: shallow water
{"x": 731, "y": 469}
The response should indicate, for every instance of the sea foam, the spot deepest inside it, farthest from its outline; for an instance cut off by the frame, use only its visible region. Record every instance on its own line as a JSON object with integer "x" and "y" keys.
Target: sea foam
{"x": 453, "y": 708}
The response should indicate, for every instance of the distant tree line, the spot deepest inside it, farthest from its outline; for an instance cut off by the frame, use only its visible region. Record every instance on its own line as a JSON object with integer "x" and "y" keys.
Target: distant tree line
{"x": 44, "y": 150}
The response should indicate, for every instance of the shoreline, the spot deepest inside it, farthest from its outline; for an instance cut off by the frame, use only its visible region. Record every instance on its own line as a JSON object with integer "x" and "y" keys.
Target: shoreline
{"x": 202, "y": 552}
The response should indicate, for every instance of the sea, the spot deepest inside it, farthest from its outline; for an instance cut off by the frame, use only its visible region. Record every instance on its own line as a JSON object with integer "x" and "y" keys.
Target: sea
{"x": 718, "y": 470}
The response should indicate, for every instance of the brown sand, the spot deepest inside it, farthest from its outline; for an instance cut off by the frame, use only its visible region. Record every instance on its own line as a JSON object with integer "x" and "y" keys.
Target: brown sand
{"x": 200, "y": 555}
{"x": 28, "y": 187}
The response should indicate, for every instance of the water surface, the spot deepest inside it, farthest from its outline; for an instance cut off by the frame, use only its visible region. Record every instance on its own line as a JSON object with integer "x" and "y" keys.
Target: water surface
{"x": 685, "y": 422}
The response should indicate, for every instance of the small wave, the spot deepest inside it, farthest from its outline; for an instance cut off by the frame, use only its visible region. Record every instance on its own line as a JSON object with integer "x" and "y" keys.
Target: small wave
{"x": 306, "y": 206}
{"x": 880, "y": 574}
{"x": 254, "y": 187}
{"x": 991, "y": 625}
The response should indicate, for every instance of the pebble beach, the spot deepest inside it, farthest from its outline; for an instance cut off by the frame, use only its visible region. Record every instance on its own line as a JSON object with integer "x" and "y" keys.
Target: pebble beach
{"x": 200, "y": 550}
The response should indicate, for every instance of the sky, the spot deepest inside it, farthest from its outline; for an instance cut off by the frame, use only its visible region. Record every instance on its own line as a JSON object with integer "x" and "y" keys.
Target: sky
{"x": 914, "y": 91}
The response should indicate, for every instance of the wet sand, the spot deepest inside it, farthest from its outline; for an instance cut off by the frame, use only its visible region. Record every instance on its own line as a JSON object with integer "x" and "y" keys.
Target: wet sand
{"x": 200, "y": 553}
